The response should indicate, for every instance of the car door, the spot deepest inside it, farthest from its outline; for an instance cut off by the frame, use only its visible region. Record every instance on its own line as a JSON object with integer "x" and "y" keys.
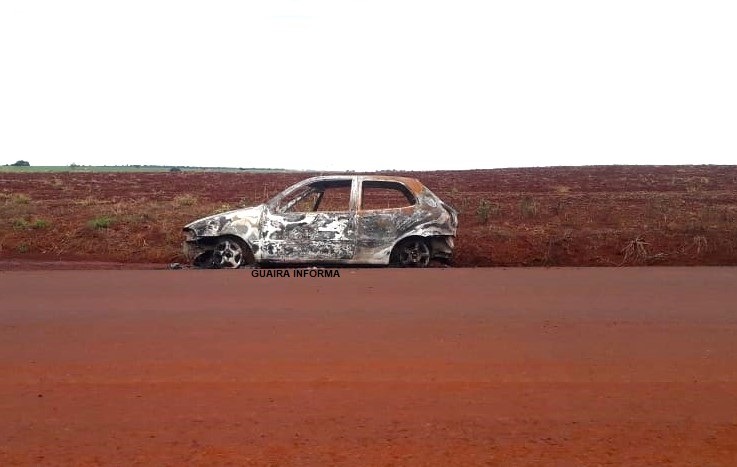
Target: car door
{"x": 315, "y": 223}
{"x": 385, "y": 212}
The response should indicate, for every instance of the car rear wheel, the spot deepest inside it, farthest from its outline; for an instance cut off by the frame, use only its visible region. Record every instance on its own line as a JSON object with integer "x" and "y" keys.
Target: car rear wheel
{"x": 230, "y": 253}
{"x": 412, "y": 253}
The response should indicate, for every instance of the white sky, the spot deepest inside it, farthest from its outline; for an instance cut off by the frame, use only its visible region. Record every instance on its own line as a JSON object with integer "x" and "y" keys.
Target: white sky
{"x": 365, "y": 85}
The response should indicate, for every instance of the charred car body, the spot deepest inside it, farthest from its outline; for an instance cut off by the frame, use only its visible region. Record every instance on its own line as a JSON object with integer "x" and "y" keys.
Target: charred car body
{"x": 351, "y": 219}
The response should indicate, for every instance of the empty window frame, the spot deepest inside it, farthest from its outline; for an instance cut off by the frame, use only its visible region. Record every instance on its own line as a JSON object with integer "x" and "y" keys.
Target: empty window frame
{"x": 329, "y": 196}
{"x": 385, "y": 195}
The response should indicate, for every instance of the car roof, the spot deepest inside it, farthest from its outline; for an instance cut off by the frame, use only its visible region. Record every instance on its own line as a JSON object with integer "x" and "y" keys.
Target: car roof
{"x": 411, "y": 183}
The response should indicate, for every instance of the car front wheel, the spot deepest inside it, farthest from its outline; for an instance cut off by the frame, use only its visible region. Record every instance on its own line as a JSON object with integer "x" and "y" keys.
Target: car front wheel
{"x": 230, "y": 253}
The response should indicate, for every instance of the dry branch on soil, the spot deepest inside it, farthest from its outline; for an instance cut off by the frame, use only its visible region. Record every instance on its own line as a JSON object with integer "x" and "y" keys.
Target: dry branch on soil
{"x": 635, "y": 250}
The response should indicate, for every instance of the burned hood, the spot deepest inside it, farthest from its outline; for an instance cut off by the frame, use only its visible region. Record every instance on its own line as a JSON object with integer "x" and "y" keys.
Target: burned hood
{"x": 242, "y": 222}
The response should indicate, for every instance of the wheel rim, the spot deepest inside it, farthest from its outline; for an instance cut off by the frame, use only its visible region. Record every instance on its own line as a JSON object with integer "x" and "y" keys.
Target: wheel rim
{"x": 414, "y": 253}
{"x": 228, "y": 255}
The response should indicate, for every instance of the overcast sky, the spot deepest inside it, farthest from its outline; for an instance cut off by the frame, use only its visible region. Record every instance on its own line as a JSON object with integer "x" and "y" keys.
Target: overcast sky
{"x": 365, "y": 85}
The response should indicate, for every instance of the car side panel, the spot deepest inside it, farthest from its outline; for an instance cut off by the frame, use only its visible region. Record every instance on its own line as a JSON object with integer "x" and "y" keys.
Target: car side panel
{"x": 308, "y": 237}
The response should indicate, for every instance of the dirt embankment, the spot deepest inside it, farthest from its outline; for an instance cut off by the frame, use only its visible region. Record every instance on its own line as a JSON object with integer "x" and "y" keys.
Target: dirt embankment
{"x": 562, "y": 216}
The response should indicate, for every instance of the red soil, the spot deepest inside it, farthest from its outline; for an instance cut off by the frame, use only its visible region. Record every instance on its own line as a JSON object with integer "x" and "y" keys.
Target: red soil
{"x": 634, "y": 366}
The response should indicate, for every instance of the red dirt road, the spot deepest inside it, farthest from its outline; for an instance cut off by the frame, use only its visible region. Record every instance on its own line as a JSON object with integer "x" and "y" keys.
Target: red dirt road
{"x": 377, "y": 367}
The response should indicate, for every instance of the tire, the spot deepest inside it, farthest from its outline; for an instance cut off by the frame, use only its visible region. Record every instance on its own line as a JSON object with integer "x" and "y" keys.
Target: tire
{"x": 230, "y": 253}
{"x": 412, "y": 253}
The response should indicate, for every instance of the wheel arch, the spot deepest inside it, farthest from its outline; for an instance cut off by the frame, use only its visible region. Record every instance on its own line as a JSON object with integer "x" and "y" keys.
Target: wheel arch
{"x": 209, "y": 242}
{"x": 440, "y": 245}
{"x": 427, "y": 239}
{"x": 214, "y": 239}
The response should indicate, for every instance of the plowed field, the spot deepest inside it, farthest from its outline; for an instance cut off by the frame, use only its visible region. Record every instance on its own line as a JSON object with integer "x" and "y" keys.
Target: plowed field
{"x": 574, "y": 216}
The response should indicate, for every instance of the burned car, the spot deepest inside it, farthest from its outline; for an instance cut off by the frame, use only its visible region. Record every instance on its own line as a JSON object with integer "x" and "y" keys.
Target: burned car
{"x": 352, "y": 219}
